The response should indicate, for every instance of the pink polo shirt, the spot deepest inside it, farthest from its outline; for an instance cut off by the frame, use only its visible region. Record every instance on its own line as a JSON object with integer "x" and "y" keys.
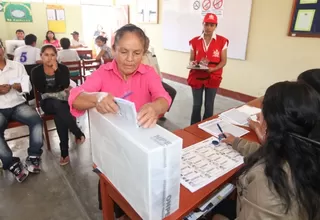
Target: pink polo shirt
{"x": 56, "y": 43}
{"x": 145, "y": 85}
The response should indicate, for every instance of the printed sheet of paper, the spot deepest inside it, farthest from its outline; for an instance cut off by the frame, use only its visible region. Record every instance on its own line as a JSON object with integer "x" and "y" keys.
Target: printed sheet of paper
{"x": 308, "y": 1}
{"x": 212, "y": 128}
{"x": 304, "y": 20}
{"x": 127, "y": 110}
{"x": 204, "y": 162}
{"x": 249, "y": 110}
{"x": 236, "y": 117}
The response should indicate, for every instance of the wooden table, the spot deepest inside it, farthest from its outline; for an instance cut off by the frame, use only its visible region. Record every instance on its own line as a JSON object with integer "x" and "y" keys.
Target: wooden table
{"x": 188, "y": 201}
{"x": 195, "y": 130}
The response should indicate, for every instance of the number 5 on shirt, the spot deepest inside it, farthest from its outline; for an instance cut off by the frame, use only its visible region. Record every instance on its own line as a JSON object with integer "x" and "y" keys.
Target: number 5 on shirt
{"x": 23, "y": 57}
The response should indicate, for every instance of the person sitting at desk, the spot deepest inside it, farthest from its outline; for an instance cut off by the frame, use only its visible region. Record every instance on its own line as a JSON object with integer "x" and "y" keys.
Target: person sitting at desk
{"x": 280, "y": 179}
{"x": 28, "y": 54}
{"x": 52, "y": 80}
{"x": 19, "y": 35}
{"x": 124, "y": 74}
{"x": 76, "y": 42}
{"x": 14, "y": 83}
{"x": 68, "y": 55}
{"x": 51, "y": 39}
{"x": 105, "y": 51}
{"x": 209, "y": 49}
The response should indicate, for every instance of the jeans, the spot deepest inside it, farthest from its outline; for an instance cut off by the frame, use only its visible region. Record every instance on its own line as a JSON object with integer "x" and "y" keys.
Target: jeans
{"x": 64, "y": 121}
{"x": 210, "y": 94}
{"x": 25, "y": 115}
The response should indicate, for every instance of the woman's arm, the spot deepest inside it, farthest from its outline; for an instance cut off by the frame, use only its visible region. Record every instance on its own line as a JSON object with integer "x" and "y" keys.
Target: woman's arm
{"x": 102, "y": 51}
{"x": 38, "y": 79}
{"x": 191, "y": 55}
{"x": 80, "y": 98}
{"x": 64, "y": 74}
{"x": 223, "y": 62}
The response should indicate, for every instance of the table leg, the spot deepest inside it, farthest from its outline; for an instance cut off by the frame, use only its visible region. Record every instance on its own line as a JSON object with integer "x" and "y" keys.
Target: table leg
{"x": 107, "y": 202}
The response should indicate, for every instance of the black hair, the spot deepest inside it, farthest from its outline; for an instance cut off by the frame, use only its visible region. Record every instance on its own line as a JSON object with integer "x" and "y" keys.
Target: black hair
{"x": 291, "y": 112}
{"x": 311, "y": 77}
{"x": 48, "y": 46}
{"x": 132, "y": 29}
{"x": 54, "y": 36}
{"x": 19, "y": 31}
{"x": 102, "y": 38}
{"x": 1, "y": 44}
{"x": 65, "y": 43}
{"x": 30, "y": 39}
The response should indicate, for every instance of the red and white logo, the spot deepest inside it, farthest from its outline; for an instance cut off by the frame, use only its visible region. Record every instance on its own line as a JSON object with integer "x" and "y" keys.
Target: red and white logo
{"x": 216, "y": 53}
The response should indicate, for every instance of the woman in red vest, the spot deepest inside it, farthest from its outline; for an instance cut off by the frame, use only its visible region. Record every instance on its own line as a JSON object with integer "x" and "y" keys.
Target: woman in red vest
{"x": 208, "y": 49}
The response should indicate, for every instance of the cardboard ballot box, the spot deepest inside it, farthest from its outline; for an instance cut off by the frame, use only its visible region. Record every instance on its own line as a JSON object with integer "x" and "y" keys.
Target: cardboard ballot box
{"x": 143, "y": 164}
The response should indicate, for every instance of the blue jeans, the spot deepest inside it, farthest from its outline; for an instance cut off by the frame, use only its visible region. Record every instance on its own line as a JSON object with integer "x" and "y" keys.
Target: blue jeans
{"x": 210, "y": 94}
{"x": 25, "y": 115}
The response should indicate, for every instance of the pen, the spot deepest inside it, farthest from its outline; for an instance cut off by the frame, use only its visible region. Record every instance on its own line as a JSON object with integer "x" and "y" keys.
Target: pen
{"x": 221, "y": 131}
{"x": 126, "y": 95}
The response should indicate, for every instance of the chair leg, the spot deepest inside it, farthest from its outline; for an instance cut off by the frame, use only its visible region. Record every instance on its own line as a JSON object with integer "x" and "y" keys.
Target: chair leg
{"x": 46, "y": 134}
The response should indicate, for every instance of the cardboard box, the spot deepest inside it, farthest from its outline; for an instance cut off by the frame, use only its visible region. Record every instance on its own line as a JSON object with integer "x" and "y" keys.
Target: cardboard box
{"x": 143, "y": 164}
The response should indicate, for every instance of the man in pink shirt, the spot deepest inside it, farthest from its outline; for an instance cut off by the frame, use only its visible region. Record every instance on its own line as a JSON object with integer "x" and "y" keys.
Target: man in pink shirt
{"x": 125, "y": 74}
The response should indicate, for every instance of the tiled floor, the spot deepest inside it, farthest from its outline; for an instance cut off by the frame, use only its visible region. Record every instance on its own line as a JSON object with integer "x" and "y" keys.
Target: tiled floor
{"x": 70, "y": 192}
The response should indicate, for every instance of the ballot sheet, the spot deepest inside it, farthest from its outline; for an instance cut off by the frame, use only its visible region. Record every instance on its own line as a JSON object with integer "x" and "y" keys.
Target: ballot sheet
{"x": 205, "y": 162}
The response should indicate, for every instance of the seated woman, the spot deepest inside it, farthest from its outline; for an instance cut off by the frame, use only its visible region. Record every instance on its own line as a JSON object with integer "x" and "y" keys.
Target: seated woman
{"x": 124, "y": 74}
{"x": 150, "y": 59}
{"x": 51, "y": 39}
{"x": 105, "y": 51}
{"x": 52, "y": 80}
{"x": 311, "y": 77}
{"x": 280, "y": 179}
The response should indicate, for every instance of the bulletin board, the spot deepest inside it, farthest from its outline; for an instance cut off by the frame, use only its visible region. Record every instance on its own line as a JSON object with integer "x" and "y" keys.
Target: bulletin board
{"x": 305, "y": 19}
{"x": 56, "y": 18}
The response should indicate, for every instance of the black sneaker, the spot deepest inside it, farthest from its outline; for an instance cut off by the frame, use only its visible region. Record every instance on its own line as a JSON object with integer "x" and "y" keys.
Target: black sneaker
{"x": 19, "y": 171}
{"x": 33, "y": 164}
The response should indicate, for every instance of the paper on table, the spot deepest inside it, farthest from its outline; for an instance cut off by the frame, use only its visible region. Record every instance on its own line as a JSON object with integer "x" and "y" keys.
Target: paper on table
{"x": 236, "y": 116}
{"x": 204, "y": 162}
{"x": 249, "y": 110}
{"x": 212, "y": 128}
{"x": 127, "y": 110}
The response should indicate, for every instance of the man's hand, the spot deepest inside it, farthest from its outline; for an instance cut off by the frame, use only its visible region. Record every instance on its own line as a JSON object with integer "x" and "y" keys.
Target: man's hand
{"x": 147, "y": 116}
{"x": 4, "y": 89}
{"x": 107, "y": 105}
{"x": 17, "y": 86}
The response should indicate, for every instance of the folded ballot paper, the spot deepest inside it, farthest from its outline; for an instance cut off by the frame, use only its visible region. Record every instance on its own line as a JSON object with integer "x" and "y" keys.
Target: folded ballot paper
{"x": 143, "y": 164}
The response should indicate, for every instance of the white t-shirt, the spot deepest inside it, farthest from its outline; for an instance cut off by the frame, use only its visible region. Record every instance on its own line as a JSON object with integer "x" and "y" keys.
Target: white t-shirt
{"x": 68, "y": 55}
{"x": 77, "y": 43}
{"x": 27, "y": 55}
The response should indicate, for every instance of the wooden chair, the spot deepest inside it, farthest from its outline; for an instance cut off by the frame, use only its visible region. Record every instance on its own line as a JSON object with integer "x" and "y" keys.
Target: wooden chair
{"x": 75, "y": 66}
{"x": 89, "y": 65}
{"x": 44, "y": 118}
{"x": 28, "y": 69}
{"x": 15, "y": 124}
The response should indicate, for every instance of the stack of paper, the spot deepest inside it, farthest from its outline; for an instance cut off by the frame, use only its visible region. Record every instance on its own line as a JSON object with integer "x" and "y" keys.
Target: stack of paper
{"x": 212, "y": 128}
{"x": 235, "y": 117}
{"x": 204, "y": 162}
{"x": 249, "y": 110}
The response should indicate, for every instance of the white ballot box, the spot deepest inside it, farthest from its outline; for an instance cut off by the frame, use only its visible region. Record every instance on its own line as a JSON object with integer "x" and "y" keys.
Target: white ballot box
{"x": 143, "y": 164}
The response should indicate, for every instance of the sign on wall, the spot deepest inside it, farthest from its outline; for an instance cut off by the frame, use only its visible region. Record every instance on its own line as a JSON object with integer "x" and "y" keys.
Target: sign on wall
{"x": 17, "y": 12}
{"x": 56, "y": 18}
{"x": 148, "y": 11}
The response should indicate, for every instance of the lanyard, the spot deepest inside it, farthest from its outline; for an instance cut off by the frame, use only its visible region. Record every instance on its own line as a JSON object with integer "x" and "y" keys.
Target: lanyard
{"x": 205, "y": 46}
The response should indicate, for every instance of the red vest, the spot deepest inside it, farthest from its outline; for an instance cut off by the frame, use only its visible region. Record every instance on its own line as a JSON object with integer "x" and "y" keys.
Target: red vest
{"x": 199, "y": 78}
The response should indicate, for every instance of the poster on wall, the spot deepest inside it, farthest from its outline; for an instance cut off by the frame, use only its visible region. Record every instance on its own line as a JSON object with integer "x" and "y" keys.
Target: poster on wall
{"x": 56, "y": 18}
{"x": 17, "y": 12}
{"x": 148, "y": 11}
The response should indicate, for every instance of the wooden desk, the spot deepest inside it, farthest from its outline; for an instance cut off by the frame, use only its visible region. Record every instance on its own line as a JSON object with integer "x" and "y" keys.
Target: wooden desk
{"x": 188, "y": 201}
{"x": 195, "y": 130}
{"x": 84, "y": 51}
